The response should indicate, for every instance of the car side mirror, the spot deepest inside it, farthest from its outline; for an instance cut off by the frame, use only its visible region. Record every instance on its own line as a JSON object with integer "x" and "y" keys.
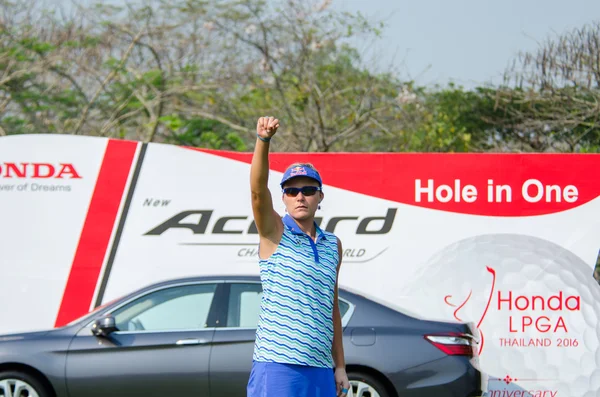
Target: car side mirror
{"x": 104, "y": 326}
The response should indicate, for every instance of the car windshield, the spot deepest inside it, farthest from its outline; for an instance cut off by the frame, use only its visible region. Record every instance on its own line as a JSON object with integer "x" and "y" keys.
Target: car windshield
{"x": 91, "y": 314}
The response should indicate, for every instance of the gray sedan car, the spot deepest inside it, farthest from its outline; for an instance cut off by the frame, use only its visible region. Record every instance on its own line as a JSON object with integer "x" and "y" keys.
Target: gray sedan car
{"x": 195, "y": 337}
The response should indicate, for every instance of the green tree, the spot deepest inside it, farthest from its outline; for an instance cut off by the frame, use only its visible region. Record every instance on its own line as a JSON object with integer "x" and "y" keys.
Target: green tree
{"x": 551, "y": 95}
{"x": 191, "y": 72}
{"x": 38, "y": 92}
{"x": 438, "y": 119}
{"x": 296, "y": 66}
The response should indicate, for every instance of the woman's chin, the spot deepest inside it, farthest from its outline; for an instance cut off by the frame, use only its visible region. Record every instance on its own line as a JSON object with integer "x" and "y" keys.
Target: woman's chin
{"x": 301, "y": 213}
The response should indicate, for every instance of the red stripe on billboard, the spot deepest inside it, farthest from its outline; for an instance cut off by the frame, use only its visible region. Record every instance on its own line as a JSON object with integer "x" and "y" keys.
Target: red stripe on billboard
{"x": 97, "y": 229}
{"x": 490, "y": 184}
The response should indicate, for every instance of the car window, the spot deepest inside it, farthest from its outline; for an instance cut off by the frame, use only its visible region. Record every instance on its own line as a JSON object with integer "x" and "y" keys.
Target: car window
{"x": 244, "y": 305}
{"x": 344, "y": 306}
{"x": 173, "y": 308}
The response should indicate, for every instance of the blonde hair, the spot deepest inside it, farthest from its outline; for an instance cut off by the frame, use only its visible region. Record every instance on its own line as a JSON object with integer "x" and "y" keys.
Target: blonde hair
{"x": 308, "y": 165}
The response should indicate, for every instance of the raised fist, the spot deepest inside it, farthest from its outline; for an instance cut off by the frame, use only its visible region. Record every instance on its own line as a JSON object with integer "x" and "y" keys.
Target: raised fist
{"x": 267, "y": 127}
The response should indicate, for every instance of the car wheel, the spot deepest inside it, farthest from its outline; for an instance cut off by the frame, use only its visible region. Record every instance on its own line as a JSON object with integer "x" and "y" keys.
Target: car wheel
{"x": 19, "y": 384}
{"x": 364, "y": 385}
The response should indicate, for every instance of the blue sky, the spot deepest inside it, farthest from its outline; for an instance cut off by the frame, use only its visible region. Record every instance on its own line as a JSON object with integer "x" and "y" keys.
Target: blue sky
{"x": 470, "y": 42}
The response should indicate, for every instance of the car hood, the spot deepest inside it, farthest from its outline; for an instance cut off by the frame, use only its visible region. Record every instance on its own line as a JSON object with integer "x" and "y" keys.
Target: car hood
{"x": 23, "y": 336}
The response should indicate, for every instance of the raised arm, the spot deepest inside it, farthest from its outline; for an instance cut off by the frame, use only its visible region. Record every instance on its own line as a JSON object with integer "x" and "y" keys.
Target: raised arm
{"x": 268, "y": 221}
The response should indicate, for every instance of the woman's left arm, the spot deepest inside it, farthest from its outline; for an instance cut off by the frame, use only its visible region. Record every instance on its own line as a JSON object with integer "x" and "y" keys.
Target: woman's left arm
{"x": 341, "y": 378}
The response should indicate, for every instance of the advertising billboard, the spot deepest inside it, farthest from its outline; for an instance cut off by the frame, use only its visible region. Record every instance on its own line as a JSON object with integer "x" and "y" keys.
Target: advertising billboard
{"x": 508, "y": 242}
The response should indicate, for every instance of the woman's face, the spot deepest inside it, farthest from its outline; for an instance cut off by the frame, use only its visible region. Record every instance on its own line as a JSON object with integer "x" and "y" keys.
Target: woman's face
{"x": 303, "y": 205}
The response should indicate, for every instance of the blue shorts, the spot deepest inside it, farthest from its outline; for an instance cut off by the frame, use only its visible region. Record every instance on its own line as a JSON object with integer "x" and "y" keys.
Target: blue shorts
{"x": 289, "y": 380}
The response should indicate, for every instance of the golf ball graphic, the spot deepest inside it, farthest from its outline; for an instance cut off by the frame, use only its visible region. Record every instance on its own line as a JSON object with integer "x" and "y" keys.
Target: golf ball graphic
{"x": 534, "y": 302}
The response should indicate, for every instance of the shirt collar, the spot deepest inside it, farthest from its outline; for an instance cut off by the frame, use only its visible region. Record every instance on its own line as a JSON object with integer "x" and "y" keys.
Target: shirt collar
{"x": 293, "y": 226}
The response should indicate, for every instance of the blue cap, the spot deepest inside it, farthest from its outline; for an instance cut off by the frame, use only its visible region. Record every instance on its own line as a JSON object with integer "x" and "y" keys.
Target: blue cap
{"x": 301, "y": 170}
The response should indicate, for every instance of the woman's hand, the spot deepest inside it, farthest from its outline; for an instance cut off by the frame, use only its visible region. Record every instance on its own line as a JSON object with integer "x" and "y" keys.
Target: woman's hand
{"x": 267, "y": 127}
{"x": 341, "y": 381}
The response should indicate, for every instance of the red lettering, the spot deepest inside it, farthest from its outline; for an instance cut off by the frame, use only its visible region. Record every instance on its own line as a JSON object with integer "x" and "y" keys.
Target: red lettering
{"x": 37, "y": 168}
{"x": 510, "y": 326}
{"x": 68, "y": 169}
{"x": 559, "y": 297}
{"x": 561, "y": 324}
{"x": 19, "y": 173}
{"x": 535, "y": 299}
{"x": 577, "y": 300}
{"x": 526, "y": 322}
{"x": 526, "y": 302}
{"x": 555, "y": 302}
{"x": 509, "y": 300}
{"x": 542, "y": 326}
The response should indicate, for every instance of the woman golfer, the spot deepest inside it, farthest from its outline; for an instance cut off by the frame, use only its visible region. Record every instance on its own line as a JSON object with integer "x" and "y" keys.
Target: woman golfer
{"x": 298, "y": 350}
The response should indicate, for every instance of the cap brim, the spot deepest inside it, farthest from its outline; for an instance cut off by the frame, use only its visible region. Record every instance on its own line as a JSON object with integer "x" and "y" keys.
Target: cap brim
{"x": 283, "y": 182}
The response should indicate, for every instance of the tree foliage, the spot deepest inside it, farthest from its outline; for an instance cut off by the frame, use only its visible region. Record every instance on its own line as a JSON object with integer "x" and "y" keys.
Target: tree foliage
{"x": 551, "y": 96}
{"x": 190, "y": 72}
{"x": 199, "y": 73}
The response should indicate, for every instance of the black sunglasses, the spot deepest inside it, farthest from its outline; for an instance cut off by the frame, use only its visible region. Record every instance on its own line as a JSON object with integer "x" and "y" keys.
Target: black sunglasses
{"x": 306, "y": 190}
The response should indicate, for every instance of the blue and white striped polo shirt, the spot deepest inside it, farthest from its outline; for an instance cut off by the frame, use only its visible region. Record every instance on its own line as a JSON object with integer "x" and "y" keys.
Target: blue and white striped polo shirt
{"x": 296, "y": 317}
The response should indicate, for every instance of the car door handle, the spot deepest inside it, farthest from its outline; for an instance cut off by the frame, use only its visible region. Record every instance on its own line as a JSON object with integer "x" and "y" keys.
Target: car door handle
{"x": 183, "y": 342}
